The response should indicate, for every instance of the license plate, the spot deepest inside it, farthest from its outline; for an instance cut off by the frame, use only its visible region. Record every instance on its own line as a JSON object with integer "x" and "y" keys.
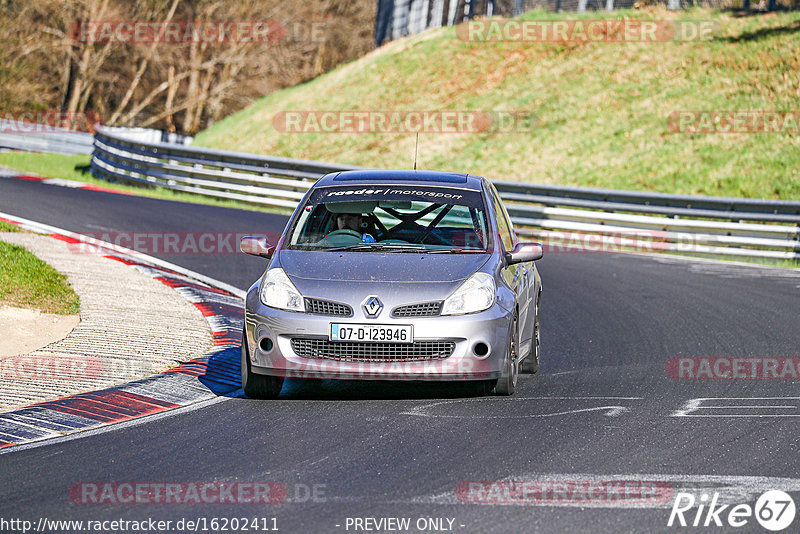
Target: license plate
{"x": 380, "y": 333}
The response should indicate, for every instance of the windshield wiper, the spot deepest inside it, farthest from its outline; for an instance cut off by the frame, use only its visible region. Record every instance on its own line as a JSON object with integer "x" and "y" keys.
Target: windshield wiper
{"x": 455, "y": 251}
{"x": 404, "y": 248}
{"x": 377, "y": 246}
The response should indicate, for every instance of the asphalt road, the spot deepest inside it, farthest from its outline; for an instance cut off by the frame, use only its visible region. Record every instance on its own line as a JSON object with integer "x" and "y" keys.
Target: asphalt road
{"x": 601, "y": 408}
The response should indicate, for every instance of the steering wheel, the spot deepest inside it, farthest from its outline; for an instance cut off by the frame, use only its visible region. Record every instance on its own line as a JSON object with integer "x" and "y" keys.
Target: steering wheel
{"x": 345, "y": 231}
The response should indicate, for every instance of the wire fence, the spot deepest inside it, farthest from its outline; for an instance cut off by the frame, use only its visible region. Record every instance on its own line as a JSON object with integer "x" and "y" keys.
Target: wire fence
{"x": 401, "y": 18}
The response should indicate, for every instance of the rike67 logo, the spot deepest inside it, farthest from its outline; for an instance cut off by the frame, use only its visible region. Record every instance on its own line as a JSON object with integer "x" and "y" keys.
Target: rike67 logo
{"x": 774, "y": 510}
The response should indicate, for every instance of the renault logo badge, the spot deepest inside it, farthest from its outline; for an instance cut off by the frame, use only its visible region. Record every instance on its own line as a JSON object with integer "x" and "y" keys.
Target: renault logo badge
{"x": 372, "y": 306}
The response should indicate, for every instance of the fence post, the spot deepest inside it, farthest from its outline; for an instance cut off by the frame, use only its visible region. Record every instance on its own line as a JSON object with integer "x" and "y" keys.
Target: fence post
{"x": 383, "y": 21}
{"x": 461, "y": 6}
{"x": 502, "y": 8}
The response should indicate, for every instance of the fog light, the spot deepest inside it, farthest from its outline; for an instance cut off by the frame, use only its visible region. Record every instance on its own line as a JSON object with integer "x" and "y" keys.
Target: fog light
{"x": 265, "y": 344}
{"x": 480, "y": 349}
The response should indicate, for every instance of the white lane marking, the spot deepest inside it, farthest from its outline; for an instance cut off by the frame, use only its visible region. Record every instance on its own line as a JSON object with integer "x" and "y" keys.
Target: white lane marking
{"x": 732, "y": 489}
{"x": 745, "y": 406}
{"x": 611, "y": 410}
{"x": 45, "y": 441}
{"x": 64, "y": 183}
{"x": 561, "y": 373}
{"x": 696, "y": 405}
{"x": 47, "y": 229}
{"x": 25, "y": 424}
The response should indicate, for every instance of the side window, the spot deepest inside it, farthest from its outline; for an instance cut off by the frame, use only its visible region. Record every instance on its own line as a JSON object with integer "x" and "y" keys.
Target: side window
{"x": 508, "y": 221}
{"x": 503, "y": 225}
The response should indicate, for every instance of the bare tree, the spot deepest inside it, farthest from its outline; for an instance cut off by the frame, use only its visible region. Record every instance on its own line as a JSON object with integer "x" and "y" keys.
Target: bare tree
{"x": 178, "y": 86}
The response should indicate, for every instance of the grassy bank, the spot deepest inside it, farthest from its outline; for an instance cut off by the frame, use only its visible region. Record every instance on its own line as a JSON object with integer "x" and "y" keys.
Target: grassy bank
{"x": 28, "y": 282}
{"x": 601, "y": 108}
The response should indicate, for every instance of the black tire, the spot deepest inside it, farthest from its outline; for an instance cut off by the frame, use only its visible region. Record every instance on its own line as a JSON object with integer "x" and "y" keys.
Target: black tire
{"x": 507, "y": 383}
{"x": 531, "y": 362}
{"x": 258, "y": 386}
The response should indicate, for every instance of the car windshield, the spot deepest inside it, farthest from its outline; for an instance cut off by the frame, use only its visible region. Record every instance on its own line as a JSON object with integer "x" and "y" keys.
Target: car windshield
{"x": 392, "y": 219}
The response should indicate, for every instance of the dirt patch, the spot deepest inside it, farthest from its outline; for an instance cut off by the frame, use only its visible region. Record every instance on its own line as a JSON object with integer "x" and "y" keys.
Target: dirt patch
{"x": 23, "y": 331}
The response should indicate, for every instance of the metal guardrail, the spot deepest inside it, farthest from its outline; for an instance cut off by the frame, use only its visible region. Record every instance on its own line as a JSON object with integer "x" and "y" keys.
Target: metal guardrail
{"x": 560, "y": 216}
{"x": 259, "y": 180}
{"x": 32, "y": 137}
{"x": 20, "y": 135}
{"x": 147, "y": 135}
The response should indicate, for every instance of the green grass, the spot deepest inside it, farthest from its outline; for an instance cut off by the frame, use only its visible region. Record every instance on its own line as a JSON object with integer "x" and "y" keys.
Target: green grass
{"x": 28, "y": 282}
{"x": 76, "y": 167}
{"x": 50, "y": 165}
{"x": 8, "y": 227}
{"x": 768, "y": 262}
{"x": 601, "y": 108}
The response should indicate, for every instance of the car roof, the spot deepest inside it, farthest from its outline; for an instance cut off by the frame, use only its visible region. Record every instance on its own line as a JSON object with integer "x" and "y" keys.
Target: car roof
{"x": 402, "y": 177}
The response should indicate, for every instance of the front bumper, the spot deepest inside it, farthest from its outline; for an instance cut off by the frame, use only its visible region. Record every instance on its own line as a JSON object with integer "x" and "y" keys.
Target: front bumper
{"x": 490, "y": 327}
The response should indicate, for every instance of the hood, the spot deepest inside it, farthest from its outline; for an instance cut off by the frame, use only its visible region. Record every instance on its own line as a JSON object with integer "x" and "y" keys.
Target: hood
{"x": 396, "y": 267}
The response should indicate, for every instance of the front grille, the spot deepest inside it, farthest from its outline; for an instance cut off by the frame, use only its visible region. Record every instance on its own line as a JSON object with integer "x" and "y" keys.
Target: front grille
{"x": 359, "y": 351}
{"x": 326, "y": 307}
{"x": 424, "y": 309}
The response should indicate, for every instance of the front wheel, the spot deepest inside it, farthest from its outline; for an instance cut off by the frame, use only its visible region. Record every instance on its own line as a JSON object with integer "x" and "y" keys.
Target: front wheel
{"x": 531, "y": 362}
{"x": 507, "y": 383}
{"x": 258, "y": 386}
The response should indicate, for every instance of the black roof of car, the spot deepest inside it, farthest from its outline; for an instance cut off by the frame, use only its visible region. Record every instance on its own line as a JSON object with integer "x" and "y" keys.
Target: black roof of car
{"x": 402, "y": 176}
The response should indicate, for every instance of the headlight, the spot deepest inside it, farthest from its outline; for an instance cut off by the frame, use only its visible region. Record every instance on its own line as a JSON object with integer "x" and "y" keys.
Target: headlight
{"x": 277, "y": 291}
{"x": 474, "y": 295}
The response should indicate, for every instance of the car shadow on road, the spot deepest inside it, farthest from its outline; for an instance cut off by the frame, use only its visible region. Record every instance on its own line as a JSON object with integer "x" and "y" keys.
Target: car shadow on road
{"x": 220, "y": 373}
{"x": 319, "y": 389}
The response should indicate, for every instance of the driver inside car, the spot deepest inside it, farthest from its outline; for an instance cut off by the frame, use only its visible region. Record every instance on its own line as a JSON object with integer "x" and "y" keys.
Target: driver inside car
{"x": 350, "y": 221}
{"x": 353, "y": 223}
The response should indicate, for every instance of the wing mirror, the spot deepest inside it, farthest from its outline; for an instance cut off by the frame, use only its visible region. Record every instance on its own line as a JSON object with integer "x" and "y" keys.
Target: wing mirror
{"x": 524, "y": 252}
{"x": 256, "y": 246}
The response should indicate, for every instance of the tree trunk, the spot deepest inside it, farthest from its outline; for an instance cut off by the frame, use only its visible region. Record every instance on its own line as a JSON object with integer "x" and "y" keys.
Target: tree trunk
{"x": 173, "y": 87}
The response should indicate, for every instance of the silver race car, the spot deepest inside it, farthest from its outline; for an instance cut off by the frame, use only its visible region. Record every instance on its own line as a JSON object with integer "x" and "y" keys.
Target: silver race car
{"x": 394, "y": 275}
